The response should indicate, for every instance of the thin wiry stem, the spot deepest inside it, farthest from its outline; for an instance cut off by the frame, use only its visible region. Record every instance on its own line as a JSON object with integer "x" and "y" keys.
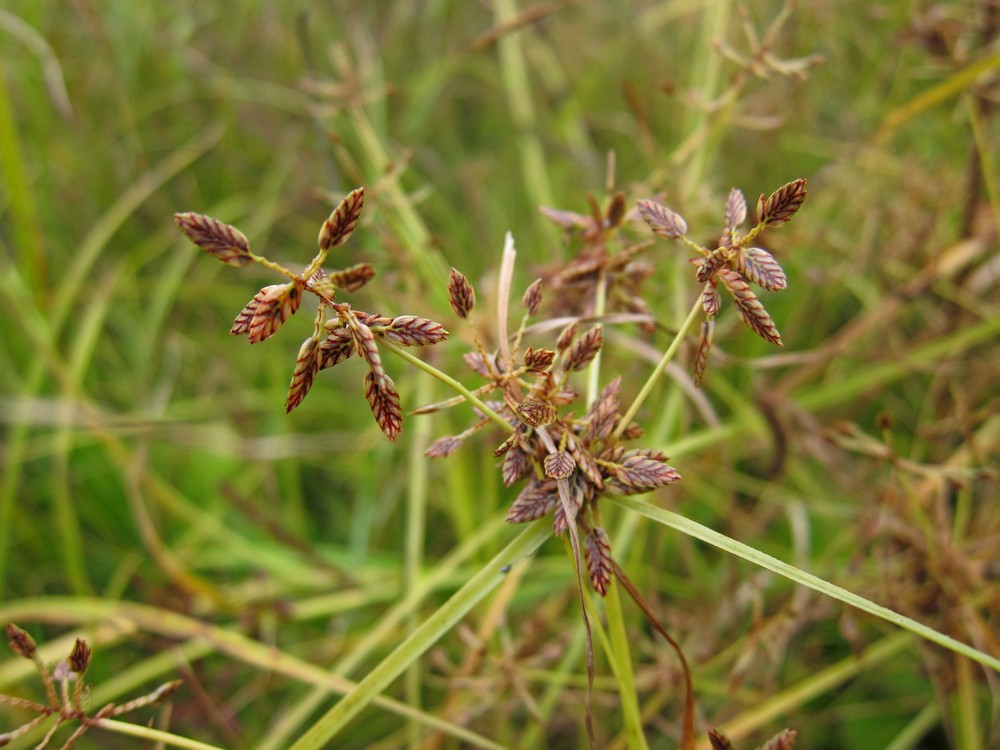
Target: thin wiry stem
{"x": 668, "y": 355}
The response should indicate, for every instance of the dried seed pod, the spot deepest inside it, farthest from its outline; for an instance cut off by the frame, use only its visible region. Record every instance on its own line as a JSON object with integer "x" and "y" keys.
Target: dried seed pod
{"x": 225, "y": 242}
{"x": 664, "y": 222}
{"x": 342, "y": 221}
{"x": 782, "y": 204}
{"x": 461, "y": 295}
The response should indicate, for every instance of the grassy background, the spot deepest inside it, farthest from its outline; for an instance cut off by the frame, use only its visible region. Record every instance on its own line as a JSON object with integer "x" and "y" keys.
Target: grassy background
{"x": 152, "y": 484}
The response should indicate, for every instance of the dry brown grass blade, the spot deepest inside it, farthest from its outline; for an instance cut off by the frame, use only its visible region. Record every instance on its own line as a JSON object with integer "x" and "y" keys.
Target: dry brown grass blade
{"x": 688, "y": 736}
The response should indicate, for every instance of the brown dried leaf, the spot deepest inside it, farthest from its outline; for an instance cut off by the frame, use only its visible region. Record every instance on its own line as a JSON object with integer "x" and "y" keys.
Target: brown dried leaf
{"x": 444, "y": 446}
{"x": 704, "y": 346}
{"x": 736, "y": 210}
{"x": 584, "y": 349}
{"x": 275, "y": 304}
{"x": 535, "y": 412}
{"x": 516, "y": 466}
{"x": 538, "y": 360}
{"x": 353, "y": 278}
{"x": 336, "y": 347}
{"x": 409, "y": 330}
{"x": 306, "y": 366}
{"x": 225, "y": 242}
{"x": 559, "y": 465}
{"x": 342, "y": 221}
{"x": 537, "y": 499}
{"x": 782, "y": 204}
{"x": 760, "y": 267}
{"x": 532, "y": 298}
{"x": 461, "y": 295}
{"x": 664, "y": 222}
{"x": 385, "y": 405}
{"x": 749, "y": 308}
{"x": 597, "y": 549}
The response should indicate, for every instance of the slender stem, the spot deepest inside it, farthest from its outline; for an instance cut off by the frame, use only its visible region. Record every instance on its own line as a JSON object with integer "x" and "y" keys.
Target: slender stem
{"x": 151, "y": 735}
{"x": 449, "y": 381}
{"x": 658, "y": 370}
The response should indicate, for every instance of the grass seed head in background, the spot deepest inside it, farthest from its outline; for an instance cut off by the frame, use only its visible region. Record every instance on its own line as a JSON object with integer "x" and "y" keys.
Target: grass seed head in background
{"x": 333, "y": 339}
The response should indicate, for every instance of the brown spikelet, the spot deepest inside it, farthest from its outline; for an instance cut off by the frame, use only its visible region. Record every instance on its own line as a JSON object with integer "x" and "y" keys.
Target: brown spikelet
{"x": 409, "y": 330}
{"x": 20, "y": 642}
{"x": 584, "y": 349}
{"x": 505, "y": 446}
{"x": 586, "y": 464}
{"x": 444, "y": 446}
{"x": 783, "y": 740}
{"x": 461, "y": 295}
{"x": 538, "y": 360}
{"x": 604, "y": 411}
{"x": 566, "y": 337}
{"x": 559, "y": 465}
{"x": 712, "y": 263}
{"x": 275, "y": 305}
{"x": 535, "y": 412}
{"x": 342, "y": 221}
{"x": 537, "y": 499}
{"x": 736, "y": 210}
{"x": 320, "y": 283}
{"x": 664, "y": 222}
{"x": 760, "y": 267}
{"x": 367, "y": 347}
{"x": 559, "y": 522}
{"x": 532, "y": 298}
{"x": 79, "y": 658}
{"x": 353, "y": 278}
{"x": 615, "y": 213}
{"x": 597, "y": 550}
{"x": 384, "y": 401}
{"x": 307, "y": 364}
{"x": 336, "y": 347}
{"x": 478, "y": 363}
{"x": 638, "y": 473}
{"x": 225, "y": 242}
{"x": 242, "y": 323}
{"x": 719, "y": 740}
{"x": 782, "y": 204}
{"x": 516, "y": 466}
{"x": 749, "y": 308}
{"x": 711, "y": 300}
{"x": 701, "y": 355}
{"x": 565, "y": 219}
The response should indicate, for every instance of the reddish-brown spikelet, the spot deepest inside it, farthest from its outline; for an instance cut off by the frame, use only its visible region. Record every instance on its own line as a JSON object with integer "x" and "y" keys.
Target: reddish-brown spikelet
{"x": 307, "y": 364}
{"x": 20, "y": 642}
{"x": 444, "y": 446}
{"x": 275, "y": 304}
{"x": 603, "y": 413}
{"x": 353, "y": 278}
{"x": 584, "y": 349}
{"x": 639, "y": 472}
{"x": 532, "y": 298}
{"x": 664, "y": 222}
{"x": 783, "y": 740}
{"x": 712, "y": 263}
{"x": 336, "y": 347}
{"x": 749, "y": 308}
{"x": 537, "y": 499}
{"x": 711, "y": 300}
{"x": 597, "y": 550}
{"x": 342, "y": 221}
{"x": 79, "y": 657}
{"x": 701, "y": 355}
{"x": 719, "y": 740}
{"x": 586, "y": 463}
{"x": 535, "y": 412}
{"x": 461, "y": 295}
{"x": 559, "y": 522}
{"x": 760, "y": 267}
{"x": 383, "y": 398}
{"x": 538, "y": 360}
{"x": 516, "y": 466}
{"x": 566, "y": 337}
{"x": 615, "y": 213}
{"x": 559, "y": 465}
{"x": 736, "y": 210}
{"x": 782, "y": 204}
{"x": 366, "y": 345}
{"x": 409, "y": 330}
{"x": 225, "y": 242}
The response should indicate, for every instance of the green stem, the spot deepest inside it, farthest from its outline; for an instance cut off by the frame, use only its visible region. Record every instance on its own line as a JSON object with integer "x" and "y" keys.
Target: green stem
{"x": 151, "y": 735}
{"x": 449, "y": 381}
{"x": 668, "y": 355}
